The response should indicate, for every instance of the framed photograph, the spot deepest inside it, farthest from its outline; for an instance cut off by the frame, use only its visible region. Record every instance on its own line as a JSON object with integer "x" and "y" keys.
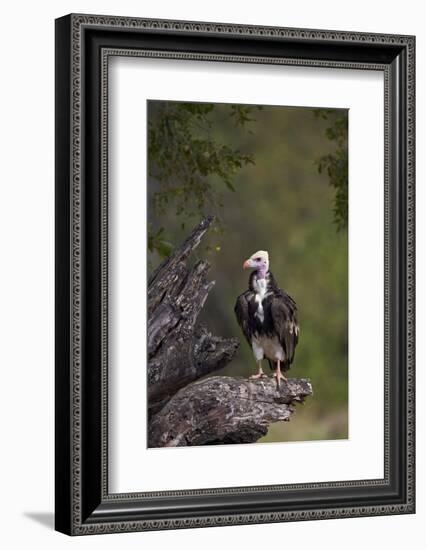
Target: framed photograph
{"x": 234, "y": 274}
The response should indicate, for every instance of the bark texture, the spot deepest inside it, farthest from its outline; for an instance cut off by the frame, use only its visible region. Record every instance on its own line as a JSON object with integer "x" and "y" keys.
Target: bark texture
{"x": 181, "y": 350}
{"x": 222, "y": 409}
{"x": 184, "y": 410}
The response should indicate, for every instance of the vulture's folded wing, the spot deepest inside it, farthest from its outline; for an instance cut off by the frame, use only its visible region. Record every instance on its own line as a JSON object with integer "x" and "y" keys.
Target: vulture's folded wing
{"x": 284, "y": 317}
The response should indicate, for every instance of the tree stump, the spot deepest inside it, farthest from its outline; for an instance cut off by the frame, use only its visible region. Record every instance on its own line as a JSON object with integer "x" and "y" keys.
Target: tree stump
{"x": 184, "y": 410}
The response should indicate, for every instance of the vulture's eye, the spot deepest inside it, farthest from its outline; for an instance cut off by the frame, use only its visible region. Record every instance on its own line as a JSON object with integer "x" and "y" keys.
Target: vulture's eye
{"x": 258, "y": 259}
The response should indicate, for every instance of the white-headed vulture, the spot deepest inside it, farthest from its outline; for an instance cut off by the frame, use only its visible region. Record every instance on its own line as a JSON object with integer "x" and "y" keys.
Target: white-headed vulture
{"x": 268, "y": 318}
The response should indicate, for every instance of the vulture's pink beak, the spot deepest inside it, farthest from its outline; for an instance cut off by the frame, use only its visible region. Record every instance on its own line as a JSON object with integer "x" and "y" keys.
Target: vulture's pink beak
{"x": 247, "y": 264}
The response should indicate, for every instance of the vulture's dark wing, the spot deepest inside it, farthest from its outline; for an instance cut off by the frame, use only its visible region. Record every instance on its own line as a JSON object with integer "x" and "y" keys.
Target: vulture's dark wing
{"x": 242, "y": 313}
{"x": 284, "y": 317}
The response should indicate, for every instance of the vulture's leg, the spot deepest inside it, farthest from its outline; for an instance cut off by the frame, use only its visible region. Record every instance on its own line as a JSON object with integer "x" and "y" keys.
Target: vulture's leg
{"x": 260, "y": 372}
{"x": 279, "y": 375}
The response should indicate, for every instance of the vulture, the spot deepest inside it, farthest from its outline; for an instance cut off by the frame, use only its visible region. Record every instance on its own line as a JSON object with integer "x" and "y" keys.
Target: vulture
{"x": 268, "y": 318}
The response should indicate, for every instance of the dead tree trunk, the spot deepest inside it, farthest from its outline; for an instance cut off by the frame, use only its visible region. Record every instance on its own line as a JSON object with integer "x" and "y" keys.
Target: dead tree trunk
{"x": 182, "y": 409}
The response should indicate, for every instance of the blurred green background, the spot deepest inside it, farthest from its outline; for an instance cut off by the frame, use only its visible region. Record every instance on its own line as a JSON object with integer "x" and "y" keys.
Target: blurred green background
{"x": 273, "y": 177}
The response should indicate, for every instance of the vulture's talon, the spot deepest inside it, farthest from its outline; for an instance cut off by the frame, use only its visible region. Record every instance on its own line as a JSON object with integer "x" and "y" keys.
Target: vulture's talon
{"x": 257, "y": 376}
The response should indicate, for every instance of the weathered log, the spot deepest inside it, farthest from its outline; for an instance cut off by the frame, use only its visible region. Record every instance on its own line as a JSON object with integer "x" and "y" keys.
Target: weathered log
{"x": 222, "y": 409}
{"x": 179, "y": 349}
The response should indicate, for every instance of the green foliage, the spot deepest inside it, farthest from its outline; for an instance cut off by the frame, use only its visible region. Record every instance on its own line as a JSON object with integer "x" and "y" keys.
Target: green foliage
{"x": 335, "y": 164}
{"x": 157, "y": 242}
{"x": 192, "y": 167}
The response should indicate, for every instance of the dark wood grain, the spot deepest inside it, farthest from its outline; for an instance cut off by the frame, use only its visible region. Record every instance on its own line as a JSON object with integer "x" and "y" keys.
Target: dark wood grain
{"x": 181, "y": 350}
{"x": 223, "y": 410}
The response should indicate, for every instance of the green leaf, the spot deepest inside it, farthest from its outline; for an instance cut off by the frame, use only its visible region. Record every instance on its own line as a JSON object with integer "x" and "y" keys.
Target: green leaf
{"x": 164, "y": 248}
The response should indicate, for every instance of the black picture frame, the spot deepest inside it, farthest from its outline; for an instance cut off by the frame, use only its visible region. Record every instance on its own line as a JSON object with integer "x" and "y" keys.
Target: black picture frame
{"x": 83, "y": 504}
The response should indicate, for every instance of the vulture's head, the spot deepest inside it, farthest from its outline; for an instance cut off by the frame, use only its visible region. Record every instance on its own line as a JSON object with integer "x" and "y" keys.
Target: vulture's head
{"x": 259, "y": 261}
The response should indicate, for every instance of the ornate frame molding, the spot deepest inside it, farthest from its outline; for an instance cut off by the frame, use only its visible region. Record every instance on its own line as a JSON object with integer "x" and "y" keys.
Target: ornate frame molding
{"x": 72, "y": 47}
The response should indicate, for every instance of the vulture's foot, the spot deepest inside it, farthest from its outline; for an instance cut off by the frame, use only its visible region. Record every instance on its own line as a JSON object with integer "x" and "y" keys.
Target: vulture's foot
{"x": 279, "y": 376}
{"x": 258, "y": 375}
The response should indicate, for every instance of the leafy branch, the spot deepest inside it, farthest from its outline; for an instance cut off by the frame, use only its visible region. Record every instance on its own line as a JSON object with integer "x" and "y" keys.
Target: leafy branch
{"x": 335, "y": 164}
{"x": 190, "y": 165}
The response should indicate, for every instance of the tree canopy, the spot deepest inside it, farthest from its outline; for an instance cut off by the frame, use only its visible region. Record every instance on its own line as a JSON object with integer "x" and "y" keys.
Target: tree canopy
{"x": 190, "y": 165}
